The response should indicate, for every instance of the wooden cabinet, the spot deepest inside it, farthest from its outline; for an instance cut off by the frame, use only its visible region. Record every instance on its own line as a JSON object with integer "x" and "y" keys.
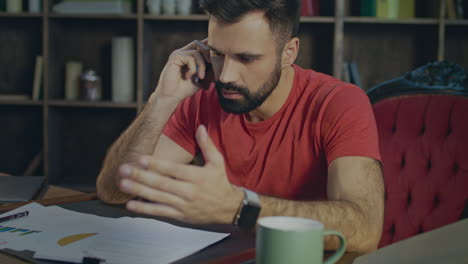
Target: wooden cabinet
{"x": 74, "y": 135}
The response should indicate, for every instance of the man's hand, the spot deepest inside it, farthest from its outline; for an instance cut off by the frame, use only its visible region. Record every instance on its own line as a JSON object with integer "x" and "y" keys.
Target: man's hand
{"x": 187, "y": 193}
{"x": 183, "y": 66}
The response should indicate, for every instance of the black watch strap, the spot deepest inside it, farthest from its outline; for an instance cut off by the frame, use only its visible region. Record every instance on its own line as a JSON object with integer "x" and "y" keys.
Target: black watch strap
{"x": 250, "y": 210}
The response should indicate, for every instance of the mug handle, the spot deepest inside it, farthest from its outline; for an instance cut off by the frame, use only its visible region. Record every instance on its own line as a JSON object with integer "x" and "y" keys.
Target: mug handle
{"x": 341, "y": 250}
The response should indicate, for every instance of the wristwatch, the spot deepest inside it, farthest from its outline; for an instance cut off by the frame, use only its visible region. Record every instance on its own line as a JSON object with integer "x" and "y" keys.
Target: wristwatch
{"x": 249, "y": 211}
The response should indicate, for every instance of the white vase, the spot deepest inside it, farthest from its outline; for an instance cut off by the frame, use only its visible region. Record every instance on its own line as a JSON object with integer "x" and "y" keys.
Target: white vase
{"x": 184, "y": 7}
{"x": 154, "y": 6}
{"x": 14, "y": 6}
{"x": 123, "y": 62}
{"x": 169, "y": 7}
{"x": 34, "y": 6}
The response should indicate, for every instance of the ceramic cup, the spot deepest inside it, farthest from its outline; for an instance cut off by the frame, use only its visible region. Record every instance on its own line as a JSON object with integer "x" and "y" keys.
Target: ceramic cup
{"x": 281, "y": 239}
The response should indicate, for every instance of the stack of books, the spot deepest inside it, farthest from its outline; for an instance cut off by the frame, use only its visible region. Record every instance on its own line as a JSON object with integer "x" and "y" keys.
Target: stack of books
{"x": 395, "y": 9}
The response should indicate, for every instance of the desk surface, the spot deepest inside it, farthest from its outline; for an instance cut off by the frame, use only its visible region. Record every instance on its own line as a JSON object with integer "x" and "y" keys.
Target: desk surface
{"x": 237, "y": 248}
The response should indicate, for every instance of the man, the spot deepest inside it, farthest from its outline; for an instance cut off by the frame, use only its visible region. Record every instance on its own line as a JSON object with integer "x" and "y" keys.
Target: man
{"x": 303, "y": 143}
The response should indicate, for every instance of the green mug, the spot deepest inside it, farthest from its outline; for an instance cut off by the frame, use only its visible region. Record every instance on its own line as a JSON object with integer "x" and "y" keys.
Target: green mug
{"x": 293, "y": 240}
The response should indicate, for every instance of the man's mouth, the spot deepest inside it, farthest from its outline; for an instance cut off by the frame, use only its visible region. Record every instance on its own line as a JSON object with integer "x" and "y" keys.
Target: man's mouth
{"x": 231, "y": 94}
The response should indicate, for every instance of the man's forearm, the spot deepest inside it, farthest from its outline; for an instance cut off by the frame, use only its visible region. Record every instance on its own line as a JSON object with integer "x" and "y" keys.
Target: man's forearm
{"x": 139, "y": 139}
{"x": 362, "y": 231}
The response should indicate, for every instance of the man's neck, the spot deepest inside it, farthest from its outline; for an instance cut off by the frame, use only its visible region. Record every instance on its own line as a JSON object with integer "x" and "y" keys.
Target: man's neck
{"x": 276, "y": 99}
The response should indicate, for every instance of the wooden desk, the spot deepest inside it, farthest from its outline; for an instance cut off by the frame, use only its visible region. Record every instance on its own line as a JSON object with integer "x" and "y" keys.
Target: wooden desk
{"x": 235, "y": 249}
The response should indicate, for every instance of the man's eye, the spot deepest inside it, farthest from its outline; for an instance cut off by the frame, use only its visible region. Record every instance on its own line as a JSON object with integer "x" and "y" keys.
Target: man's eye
{"x": 215, "y": 53}
{"x": 246, "y": 59}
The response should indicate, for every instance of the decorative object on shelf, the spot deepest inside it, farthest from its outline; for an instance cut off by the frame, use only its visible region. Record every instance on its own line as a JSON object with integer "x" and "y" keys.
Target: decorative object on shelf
{"x": 169, "y": 7}
{"x": 73, "y": 70}
{"x": 14, "y": 6}
{"x": 184, "y": 7}
{"x": 93, "y": 7}
{"x": 123, "y": 69}
{"x": 34, "y": 6}
{"x": 90, "y": 86}
{"x": 154, "y": 6}
{"x": 37, "y": 82}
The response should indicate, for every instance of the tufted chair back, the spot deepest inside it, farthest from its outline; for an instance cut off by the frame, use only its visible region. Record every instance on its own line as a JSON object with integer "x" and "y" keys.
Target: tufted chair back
{"x": 422, "y": 119}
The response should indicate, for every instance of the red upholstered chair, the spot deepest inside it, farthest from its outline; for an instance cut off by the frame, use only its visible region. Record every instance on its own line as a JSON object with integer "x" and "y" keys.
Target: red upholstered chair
{"x": 422, "y": 118}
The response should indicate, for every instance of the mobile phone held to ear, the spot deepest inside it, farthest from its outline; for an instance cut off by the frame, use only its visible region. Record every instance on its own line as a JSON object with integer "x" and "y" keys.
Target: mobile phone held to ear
{"x": 209, "y": 78}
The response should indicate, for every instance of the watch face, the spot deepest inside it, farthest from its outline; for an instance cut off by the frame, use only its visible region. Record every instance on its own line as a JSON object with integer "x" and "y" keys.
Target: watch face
{"x": 248, "y": 216}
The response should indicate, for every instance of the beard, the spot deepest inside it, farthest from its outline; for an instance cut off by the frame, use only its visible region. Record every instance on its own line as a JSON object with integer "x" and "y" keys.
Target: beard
{"x": 250, "y": 101}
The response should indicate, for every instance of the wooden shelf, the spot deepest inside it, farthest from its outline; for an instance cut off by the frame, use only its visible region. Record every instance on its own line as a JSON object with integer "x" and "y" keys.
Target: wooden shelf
{"x": 89, "y": 104}
{"x": 20, "y": 102}
{"x": 317, "y": 19}
{"x": 176, "y": 18}
{"x": 373, "y": 20}
{"x": 457, "y": 22}
{"x": 21, "y": 15}
{"x": 94, "y": 16}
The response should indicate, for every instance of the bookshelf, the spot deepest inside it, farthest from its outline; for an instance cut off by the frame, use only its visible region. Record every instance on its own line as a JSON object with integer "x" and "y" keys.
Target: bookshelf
{"x": 74, "y": 135}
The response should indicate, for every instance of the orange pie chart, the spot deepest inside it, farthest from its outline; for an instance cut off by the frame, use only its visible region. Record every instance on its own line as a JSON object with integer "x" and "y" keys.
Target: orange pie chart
{"x": 71, "y": 239}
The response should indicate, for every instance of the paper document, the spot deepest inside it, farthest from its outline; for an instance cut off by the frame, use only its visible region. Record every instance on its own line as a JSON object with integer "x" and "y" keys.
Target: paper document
{"x": 55, "y": 233}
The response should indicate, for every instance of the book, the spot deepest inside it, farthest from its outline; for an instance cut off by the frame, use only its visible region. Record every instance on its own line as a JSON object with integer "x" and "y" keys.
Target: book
{"x": 387, "y": 8}
{"x": 430, "y": 9}
{"x": 368, "y": 8}
{"x": 460, "y": 9}
{"x": 345, "y": 73}
{"x": 37, "y": 78}
{"x": 406, "y": 9}
{"x": 451, "y": 11}
{"x": 465, "y": 9}
{"x": 310, "y": 8}
{"x": 354, "y": 74}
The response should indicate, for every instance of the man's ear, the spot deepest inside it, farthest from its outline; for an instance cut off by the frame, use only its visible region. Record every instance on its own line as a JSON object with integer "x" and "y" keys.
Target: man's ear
{"x": 290, "y": 51}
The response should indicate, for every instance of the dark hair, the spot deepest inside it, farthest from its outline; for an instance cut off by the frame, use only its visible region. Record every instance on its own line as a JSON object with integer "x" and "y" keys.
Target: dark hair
{"x": 282, "y": 15}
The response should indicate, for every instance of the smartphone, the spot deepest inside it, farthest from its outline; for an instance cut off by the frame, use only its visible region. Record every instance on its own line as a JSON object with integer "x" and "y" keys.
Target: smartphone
{"x": 209, "y": 78}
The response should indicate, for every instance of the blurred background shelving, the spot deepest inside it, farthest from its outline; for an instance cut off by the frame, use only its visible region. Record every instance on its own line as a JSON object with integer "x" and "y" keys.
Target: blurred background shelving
{"x": 73, "y": 136}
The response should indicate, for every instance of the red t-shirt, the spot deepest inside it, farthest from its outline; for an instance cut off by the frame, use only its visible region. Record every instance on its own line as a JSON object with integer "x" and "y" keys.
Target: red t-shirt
{"x": 288, "y": 154}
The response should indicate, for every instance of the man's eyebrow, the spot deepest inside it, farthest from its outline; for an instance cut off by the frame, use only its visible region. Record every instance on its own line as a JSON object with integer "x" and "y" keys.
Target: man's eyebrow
{"x": 212, "y": 48}
{"x": 245, "y": 54}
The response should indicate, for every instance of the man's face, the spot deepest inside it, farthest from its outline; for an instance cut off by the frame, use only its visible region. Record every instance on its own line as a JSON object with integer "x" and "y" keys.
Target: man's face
{"x": 245, "y": 60}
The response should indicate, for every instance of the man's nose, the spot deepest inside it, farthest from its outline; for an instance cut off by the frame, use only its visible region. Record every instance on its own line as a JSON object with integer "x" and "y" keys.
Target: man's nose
{"x": 229, "y": 73}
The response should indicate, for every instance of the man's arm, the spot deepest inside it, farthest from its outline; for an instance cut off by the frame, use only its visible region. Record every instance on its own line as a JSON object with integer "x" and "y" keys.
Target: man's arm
{"x": 355, "y": 204}
{"x": 139, "y": 139}
{"x": 203, "y": 195}
{"x": 142, "y": 137}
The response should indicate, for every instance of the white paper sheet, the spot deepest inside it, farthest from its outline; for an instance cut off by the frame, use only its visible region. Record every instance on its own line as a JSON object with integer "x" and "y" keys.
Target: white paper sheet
{"x": 66, "y": 235}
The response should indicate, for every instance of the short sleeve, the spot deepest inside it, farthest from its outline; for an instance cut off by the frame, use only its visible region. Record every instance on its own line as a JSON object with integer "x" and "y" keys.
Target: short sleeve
{"x": 181, "y": 125}
{"x": 349, "y": 127}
